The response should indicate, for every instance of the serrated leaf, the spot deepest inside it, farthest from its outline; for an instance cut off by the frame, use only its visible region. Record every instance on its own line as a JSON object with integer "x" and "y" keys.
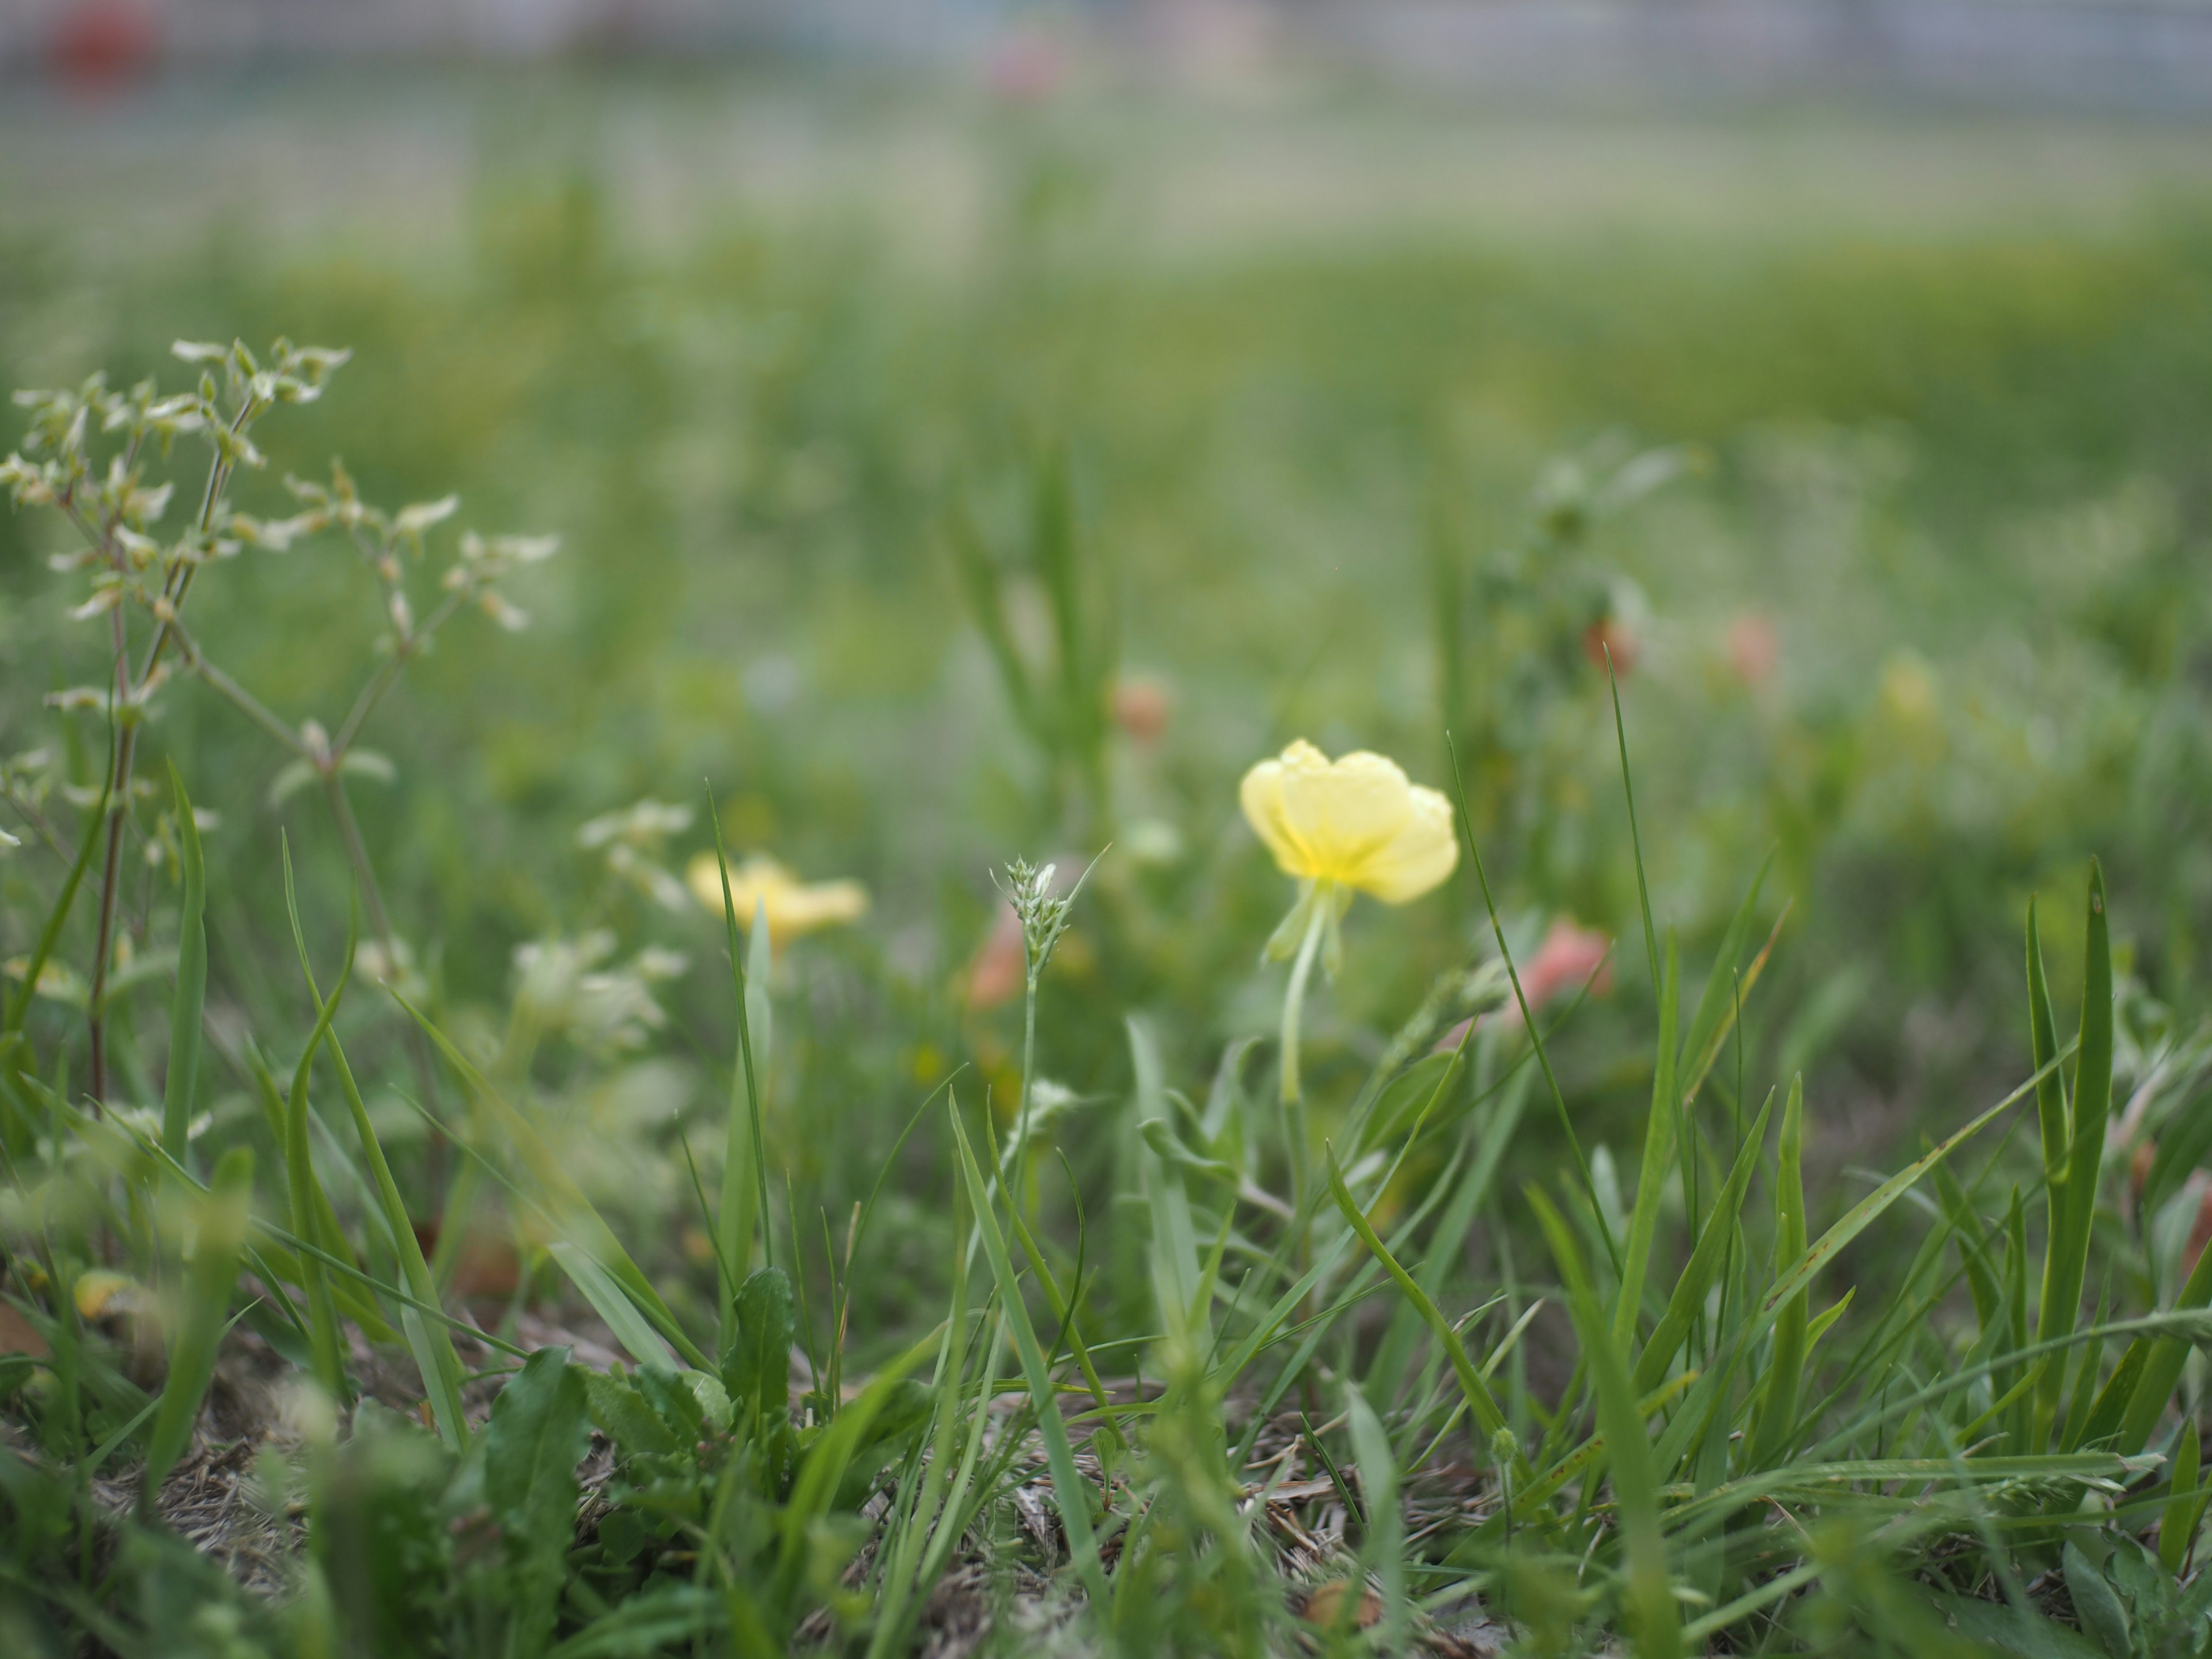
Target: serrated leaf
{"x": 757, "y": 1365}
{"x": 620, "y": 1411}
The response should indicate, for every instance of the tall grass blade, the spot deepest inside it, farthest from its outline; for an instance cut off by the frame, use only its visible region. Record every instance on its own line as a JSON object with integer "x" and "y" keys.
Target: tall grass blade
{"x": 1785, "y": 1365}
{"x": 1660, "y": 1149}
{"x": 1481, "y": 1403}
{"x": 1648, "y": 1596}
{"x": 428, "y": 1341}
{"x": 1070, "y": 1492}
{"x": 191, "y": 994}
{"x": 224, "y": 1214}
{"x": 1706, "y": 1261}
{"x": 745, "y": 1202}
{"x": 564, "y": 1202}
{"x": 2074, "y": 1206}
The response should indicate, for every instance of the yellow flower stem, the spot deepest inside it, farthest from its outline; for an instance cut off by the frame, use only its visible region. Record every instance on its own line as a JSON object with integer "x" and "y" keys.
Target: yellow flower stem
{"x": 1322, "y": 902}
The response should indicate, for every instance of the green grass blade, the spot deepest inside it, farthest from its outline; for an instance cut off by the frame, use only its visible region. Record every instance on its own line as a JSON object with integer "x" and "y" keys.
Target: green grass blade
{"x": 1648, "y": 1596}
{"x": 563, "y": 1200}
{"x": 744, "y": 1205}
{"x": 191, "y": 994}
{"x": 1527, "y": 1018}
{"x": 2051, "y": 1094}
{"x": 222, "y": 1236}
{"x": 2074, "y": 1211}
{"x": 427, "y": 1340}
{"x": 1480, "y": 1402}
{"x": 1785, "y": 1365}
{"x": 2159, "y": 1369}
{"x": 1384, "y": 1550}
{"x": 50, "y": 935}
{"x": 307, "y": 1200}
{"x": 1861, "y": 1215}
{"x": 1660, "y": 1148}
{"x": 630, "y": 1327}
{"x": 1706, "y": 1261}
{"x": 1716, "y": 1004}
{"x": 1070, "y": 1492}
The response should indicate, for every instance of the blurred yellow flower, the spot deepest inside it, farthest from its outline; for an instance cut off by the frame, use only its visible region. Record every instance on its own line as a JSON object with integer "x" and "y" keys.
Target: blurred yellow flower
{"x": 794, "y": 907}
{"x": 1356, "y": 821}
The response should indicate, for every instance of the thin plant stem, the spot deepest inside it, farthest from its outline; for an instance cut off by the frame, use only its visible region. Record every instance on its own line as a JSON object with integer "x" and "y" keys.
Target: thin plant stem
{"x": 1293, "y": 1092}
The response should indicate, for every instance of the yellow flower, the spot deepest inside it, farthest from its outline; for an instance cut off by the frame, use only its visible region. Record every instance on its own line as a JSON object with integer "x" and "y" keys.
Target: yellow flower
{"x": 794, "y": 907}
{"x": 1355, "y": 822}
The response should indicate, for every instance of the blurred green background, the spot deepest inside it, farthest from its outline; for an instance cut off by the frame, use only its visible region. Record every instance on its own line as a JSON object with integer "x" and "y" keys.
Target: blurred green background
{"x": 1345, "y": 395}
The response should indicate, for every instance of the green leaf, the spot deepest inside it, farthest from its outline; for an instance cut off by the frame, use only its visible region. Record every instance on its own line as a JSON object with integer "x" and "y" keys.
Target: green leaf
{"x": 560, "y": 1199}
{"x": 619, "y": 1412}
{"x": 2096, "y": 1604}
{"x": 1173, "y": 1253}
{"x": 540, "y": 1430}
{"x": 223, "y": 1216}
{"x": 757, "y": 1365}
{"x": 192, "y": 982}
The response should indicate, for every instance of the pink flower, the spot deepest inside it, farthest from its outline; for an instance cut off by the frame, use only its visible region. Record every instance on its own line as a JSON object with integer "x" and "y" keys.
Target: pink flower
{"x": 1569, "y": 955}
{"x": 1754, "y": 648}
{"x": 996, "y": 974}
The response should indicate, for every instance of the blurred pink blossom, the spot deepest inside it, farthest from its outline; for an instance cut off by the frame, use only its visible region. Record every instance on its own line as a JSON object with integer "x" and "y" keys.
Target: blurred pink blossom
{"x": 1026, "y": 65}
{"x": 1569, "y": 955}
{"x": 1754, "y": 648}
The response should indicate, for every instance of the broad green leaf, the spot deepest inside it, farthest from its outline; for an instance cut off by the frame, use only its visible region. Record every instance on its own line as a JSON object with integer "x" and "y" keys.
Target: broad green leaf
{"x": 2096, "y": 1604}
{"x": 539, "y": 1431}
{"x": 756, "y": 1366}
{"x": 619, "y": 1412}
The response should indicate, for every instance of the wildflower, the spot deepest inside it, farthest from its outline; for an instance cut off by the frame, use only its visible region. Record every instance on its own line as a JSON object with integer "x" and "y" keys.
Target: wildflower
{"x": 794, "y": 907}
{"x": 1353, "y": 824}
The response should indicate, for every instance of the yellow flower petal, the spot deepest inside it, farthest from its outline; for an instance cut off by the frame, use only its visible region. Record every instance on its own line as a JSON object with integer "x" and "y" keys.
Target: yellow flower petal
{"x": 1260, "y": 795}
{"x": 1356, "y": 821}
{"x": 1420, "y": 856}
{"x": 794, "y": 907}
